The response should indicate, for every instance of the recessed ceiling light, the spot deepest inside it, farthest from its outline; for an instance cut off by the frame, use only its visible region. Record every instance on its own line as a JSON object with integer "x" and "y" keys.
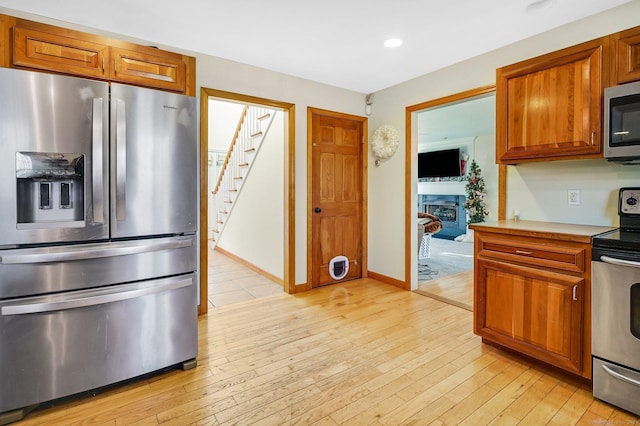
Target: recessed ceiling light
{"x": 538, "y": 5}
{"x": 393, "y": 42}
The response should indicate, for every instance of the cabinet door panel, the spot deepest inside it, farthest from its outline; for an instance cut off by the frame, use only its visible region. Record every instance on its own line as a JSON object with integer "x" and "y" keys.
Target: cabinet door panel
{"x": 532, "y": 311}
{"x": 53, "y": 52}
{"x": 549, "y": 107}
{"x": 159, "y": 71}
{"x": 628, "y": 56}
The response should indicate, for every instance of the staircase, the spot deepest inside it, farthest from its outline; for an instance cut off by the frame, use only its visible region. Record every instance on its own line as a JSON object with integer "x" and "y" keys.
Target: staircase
{"x": 252, "y": 128}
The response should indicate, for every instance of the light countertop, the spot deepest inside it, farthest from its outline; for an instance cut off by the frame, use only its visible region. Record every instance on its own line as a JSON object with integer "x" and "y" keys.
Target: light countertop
{"x": 563, "y": 231}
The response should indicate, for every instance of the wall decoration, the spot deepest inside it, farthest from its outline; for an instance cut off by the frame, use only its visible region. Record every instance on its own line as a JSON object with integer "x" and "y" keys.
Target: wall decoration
{"x": 386, "y": 140}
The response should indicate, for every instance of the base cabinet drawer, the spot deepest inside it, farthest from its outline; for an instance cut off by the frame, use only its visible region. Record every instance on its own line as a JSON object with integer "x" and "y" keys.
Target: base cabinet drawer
{"x": 547, "y": 255}
{"x": 616, "y": 385}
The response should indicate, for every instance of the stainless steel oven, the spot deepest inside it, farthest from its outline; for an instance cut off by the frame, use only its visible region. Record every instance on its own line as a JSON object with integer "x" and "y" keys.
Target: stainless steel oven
{"x": 616, "y": 308}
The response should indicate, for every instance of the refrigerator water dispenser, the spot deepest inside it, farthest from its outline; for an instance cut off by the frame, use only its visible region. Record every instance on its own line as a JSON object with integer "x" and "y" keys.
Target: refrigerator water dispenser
{"x": 50, "y": 189}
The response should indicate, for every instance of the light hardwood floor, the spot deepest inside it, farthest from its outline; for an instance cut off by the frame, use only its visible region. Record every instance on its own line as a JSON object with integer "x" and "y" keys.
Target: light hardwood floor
{"x": 359, "y": 353}
{"x": 456, "y": 289}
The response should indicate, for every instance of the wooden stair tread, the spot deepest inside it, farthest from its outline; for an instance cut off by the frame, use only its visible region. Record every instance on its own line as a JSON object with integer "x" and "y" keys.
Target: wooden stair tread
{"x": 263, "y": 116}
{"x": 253, "y": 135}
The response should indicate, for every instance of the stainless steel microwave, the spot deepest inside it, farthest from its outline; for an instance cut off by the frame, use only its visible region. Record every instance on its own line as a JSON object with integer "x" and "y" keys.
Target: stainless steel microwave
{"x": 622, "y": 123}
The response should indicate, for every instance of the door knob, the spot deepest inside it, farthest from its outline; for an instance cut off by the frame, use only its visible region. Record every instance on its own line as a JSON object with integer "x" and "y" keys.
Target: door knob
{"x": 317, "y": 210}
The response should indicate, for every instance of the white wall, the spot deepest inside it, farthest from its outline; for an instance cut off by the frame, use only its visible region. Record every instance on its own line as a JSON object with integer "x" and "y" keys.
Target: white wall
{"x": 538, "y": 190}
{"x": 223, "y": 121}
{"x": 255, "y": 228}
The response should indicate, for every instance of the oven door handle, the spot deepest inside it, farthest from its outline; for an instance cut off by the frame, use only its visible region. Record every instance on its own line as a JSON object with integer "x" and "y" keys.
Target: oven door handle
{"x": 619, "y": 262}
{"x": 92, "y": 300}
{"x": 82, "y": 253}
{"x": 620, "y": 376}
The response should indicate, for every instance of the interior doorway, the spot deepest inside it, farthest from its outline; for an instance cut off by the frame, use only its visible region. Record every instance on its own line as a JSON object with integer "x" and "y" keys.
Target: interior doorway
{"x": 287, "y": 199}
{"x": 447, "y": 124}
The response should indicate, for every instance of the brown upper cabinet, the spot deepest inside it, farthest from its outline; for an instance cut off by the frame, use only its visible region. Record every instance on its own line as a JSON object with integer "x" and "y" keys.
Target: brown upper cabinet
{"x": 626, "y": 56}
{"x": 549, "y": 107}
{"x": 33, "y": 45}
{"x": 166, "y": 71}
{"x": 52, "y": 52}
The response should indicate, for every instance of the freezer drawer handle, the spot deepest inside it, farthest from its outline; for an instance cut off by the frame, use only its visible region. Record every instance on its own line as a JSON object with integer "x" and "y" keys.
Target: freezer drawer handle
{"x": 620, "y": 262}
{"x": 98, "y": 252}
{"x": 622, "y": 377}
{"x": 82, "y": 302}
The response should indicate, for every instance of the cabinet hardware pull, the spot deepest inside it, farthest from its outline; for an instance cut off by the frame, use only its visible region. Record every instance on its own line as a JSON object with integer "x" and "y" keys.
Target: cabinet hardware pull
{"x": 115, "y": 66}
{"x": 526, "y": 253}
{"x": 593, "y": 137}
{"x": 103, "y": 64}
{"x": 575, "y": 292}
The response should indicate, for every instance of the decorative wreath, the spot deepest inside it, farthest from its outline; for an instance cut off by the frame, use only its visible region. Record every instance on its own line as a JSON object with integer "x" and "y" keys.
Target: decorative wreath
{"x": 385, "y": 141}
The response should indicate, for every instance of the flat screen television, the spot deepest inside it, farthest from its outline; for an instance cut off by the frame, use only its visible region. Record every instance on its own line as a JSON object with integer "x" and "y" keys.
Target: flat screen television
{"x": 444, "y": 163}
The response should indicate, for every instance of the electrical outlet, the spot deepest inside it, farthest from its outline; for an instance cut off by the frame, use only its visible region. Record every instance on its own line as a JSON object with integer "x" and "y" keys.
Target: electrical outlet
{"x": 573, "y": 197}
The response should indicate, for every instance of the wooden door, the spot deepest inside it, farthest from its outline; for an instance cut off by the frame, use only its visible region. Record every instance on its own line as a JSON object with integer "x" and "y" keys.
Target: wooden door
{"x": 336, "y": 194}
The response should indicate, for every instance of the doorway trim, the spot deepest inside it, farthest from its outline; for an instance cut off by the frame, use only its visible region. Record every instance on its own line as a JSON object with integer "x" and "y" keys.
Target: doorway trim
{"x": 410, "y": 172}
{"x": 289, "y": 189}
{"x": 364, "y": 122}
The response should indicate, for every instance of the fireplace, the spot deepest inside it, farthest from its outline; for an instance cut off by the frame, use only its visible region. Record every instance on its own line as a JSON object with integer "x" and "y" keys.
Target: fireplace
{"x": 450, "y": 209}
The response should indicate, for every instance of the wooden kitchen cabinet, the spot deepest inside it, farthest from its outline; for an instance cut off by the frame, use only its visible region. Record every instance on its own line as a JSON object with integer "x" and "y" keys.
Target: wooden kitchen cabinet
{"x": 53, "y": 52}
{"x": 532, "y": 290}
{"x": 162, "y": 70}
{"x": 626, "y": 56}
{"x": 33, "y": 45}
{"x": 549, "y": 107}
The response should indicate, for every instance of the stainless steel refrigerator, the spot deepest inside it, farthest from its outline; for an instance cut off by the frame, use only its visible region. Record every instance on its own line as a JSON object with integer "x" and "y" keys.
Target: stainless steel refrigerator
{"x": 98, "y": 235}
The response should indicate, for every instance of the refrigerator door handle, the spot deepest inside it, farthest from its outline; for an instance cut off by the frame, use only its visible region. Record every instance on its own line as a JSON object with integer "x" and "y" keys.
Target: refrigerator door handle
{"x": 97, "y": 161}
{"x": 121, "y": 159}
{"x": 82, "y": 253}
{"x": 97, "y": 298}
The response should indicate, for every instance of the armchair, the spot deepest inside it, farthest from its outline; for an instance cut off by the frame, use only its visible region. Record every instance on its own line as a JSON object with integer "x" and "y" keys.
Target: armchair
{"x": 428, "y": 225}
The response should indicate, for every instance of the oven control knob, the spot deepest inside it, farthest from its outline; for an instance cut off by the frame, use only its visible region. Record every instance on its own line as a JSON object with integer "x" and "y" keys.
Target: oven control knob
{"x": 632, "y": 201}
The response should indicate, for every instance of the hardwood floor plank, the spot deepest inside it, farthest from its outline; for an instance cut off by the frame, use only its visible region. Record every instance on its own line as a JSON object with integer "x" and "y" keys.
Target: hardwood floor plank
{"x": 527, "y": 401}
{"x": 573, "y": 410}
{"x": 550, "y": 405}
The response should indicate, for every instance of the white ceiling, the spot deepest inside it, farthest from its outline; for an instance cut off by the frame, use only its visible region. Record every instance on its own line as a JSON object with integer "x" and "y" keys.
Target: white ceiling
{"x": 458, "y": 120}
{"x": 337, "y": 42}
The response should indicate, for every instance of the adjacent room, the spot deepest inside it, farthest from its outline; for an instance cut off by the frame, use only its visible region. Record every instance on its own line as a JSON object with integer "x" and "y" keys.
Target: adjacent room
{"x": 450, "y": 137}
